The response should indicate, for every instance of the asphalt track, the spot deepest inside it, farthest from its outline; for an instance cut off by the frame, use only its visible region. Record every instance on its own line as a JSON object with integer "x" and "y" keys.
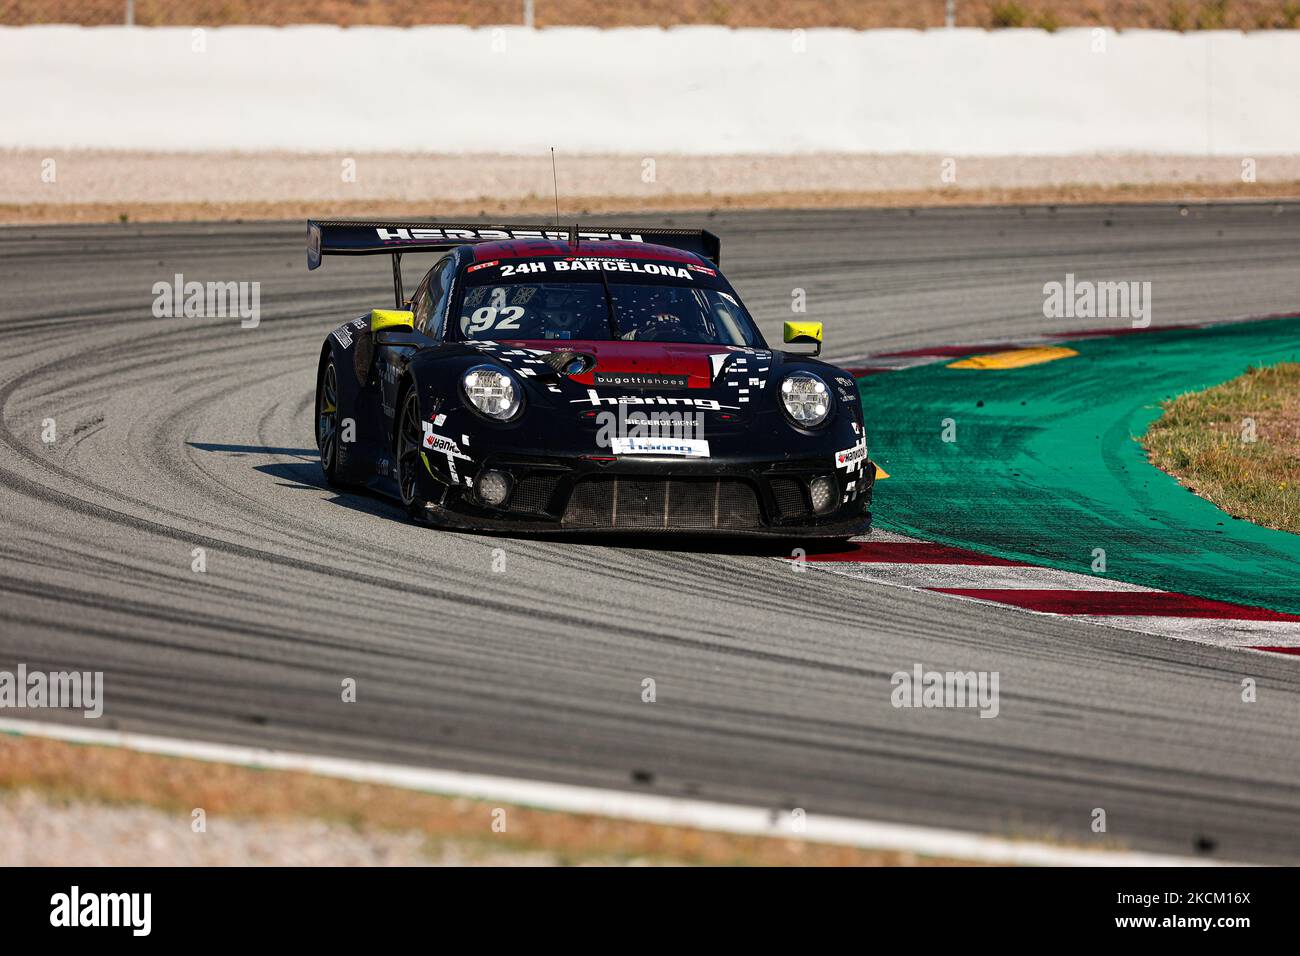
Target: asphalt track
{"x": 772, "y": 687}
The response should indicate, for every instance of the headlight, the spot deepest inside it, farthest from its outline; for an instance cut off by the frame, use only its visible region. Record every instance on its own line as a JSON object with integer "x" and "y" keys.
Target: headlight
{"x": 806, "y": 398}
{"x": 493, "y": 391}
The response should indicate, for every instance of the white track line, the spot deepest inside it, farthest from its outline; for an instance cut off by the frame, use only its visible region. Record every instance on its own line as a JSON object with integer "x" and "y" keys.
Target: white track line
{"x": 1205, "y": 630}
{"x": 1236, "y": 633}
{"x": 1240, "y": 634}
{"x": 973, "y": 576}
{"x": 652, "y": 808}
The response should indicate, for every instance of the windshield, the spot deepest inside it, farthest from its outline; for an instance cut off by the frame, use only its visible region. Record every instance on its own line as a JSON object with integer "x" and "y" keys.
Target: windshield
{"x": 631, "y": 305}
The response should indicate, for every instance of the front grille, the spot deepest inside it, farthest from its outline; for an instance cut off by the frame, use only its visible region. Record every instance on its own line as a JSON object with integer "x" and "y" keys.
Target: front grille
{"x": 533, "y": 494}
{"x": 664, "y": 504}
{"x": 790, "y": 497}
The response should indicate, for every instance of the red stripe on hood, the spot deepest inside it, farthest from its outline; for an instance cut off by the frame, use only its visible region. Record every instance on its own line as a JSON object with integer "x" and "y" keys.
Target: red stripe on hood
{"x": 650, "y": 358}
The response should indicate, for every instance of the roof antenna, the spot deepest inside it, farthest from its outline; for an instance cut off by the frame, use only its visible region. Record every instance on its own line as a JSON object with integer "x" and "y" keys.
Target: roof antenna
{"x": 573, "y": 237}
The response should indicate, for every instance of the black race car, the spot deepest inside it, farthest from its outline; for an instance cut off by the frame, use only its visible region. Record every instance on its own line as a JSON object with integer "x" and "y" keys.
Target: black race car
{"x": 552, "y": 380}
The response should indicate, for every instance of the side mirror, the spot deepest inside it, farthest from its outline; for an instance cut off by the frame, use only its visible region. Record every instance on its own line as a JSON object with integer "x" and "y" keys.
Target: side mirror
{"x": 400, "y": 335}
{"x": 391, "y": 319}
{"x": 804, "y": 333}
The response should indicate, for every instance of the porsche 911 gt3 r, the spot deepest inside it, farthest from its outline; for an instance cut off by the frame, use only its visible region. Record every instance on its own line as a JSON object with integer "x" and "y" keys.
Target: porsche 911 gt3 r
{"x": 593, "y": 380}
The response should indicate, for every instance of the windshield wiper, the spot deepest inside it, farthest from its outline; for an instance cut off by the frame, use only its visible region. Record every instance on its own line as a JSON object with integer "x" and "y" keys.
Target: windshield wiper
{"x": 609, "y": 306}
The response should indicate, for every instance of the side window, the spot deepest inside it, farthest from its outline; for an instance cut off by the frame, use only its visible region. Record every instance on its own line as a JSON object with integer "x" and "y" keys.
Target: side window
{"x": 420, "y": 305}
{"x": 440, "y": 281}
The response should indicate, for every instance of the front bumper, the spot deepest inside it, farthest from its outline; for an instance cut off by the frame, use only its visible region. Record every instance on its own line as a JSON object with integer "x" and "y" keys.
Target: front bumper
{"x": 589, "y": 494}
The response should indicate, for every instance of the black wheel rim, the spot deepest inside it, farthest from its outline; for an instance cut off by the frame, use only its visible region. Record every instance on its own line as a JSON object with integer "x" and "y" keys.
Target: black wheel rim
{"x": 327, "y": 418}
{"x": 408, "y": 447}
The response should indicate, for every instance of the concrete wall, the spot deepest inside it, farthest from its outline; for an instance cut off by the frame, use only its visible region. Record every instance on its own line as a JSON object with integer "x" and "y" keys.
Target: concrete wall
{"x": 701, "y": 90}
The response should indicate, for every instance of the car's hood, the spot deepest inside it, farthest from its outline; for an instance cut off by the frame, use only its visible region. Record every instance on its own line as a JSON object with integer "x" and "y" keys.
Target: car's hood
{"x": 662, "y": 367}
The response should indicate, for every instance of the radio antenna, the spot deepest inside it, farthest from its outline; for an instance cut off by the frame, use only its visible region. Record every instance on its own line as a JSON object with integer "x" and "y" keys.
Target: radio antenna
{"x": 555, "y": 180}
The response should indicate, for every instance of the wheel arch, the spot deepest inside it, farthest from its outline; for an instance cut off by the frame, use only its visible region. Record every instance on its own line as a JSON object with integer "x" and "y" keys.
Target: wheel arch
{"x": 404, "y": 387}
{"x": 326, "y": 353}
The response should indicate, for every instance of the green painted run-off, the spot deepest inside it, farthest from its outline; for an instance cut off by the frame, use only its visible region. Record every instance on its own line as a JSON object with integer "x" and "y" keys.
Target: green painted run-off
{"x": 1049, "y": 467}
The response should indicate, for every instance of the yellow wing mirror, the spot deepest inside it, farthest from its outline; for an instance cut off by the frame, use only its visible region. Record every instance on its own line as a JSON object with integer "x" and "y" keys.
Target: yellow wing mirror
{"x": 391, "y": 318}
{"x": 804, "y": 333}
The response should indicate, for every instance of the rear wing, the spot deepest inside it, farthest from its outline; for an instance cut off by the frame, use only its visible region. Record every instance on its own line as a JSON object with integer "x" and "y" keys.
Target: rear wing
{"x": 347, "y": 237}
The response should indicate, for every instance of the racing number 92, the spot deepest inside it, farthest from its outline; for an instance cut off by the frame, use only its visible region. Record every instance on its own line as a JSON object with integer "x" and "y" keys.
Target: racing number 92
{"x": 486, "y": 318}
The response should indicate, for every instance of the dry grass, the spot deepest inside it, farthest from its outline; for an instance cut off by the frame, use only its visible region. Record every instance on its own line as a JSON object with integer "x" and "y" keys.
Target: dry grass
{"x": 484, "y": 208}
{"x": 1203, "y": 441}
{"x": 105, "y": 775}
{"x": 852, "y": 14}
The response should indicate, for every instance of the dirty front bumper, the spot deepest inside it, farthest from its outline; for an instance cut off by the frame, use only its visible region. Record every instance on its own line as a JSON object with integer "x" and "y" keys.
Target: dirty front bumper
{"x": 591, "y": 494}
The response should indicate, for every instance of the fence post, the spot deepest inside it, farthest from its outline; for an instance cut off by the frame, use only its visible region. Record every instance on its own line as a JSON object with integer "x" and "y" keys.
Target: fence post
{"x": 950, "y": 14}
{"x": 528, "y": 14}
{"x": 130, "y": 13}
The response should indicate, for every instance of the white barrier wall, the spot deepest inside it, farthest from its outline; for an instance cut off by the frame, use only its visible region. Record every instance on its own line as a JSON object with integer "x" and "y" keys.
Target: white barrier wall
{"x": 687, "y": 90}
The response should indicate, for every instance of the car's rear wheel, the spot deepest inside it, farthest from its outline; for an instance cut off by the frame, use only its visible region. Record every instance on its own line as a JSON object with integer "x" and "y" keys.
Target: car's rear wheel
{"x": 327, "y": 423}
{"x": 409, "y": 434}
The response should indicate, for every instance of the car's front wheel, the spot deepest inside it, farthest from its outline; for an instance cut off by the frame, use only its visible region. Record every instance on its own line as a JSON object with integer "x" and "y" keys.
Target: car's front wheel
{"x": 409, "y": 435}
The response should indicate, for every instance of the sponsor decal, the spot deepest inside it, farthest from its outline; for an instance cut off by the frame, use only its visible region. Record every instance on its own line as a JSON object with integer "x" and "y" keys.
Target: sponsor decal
{"x": 488, "y": 235}
{"x": 641, "y": 380}
{"x": 621, "y": 265}
{"x": 851, "y": 458}
{"x": 705, "y": 269}
{"x": 522, "y": 268}
{"x": 345, "y": 331}
{"x": 686, "y": 447}
{"x": 441, "y": 443}
{"x": 639, "y": 424}
{"x": 708, "y": 404}
{"x": 484, "y": 265}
